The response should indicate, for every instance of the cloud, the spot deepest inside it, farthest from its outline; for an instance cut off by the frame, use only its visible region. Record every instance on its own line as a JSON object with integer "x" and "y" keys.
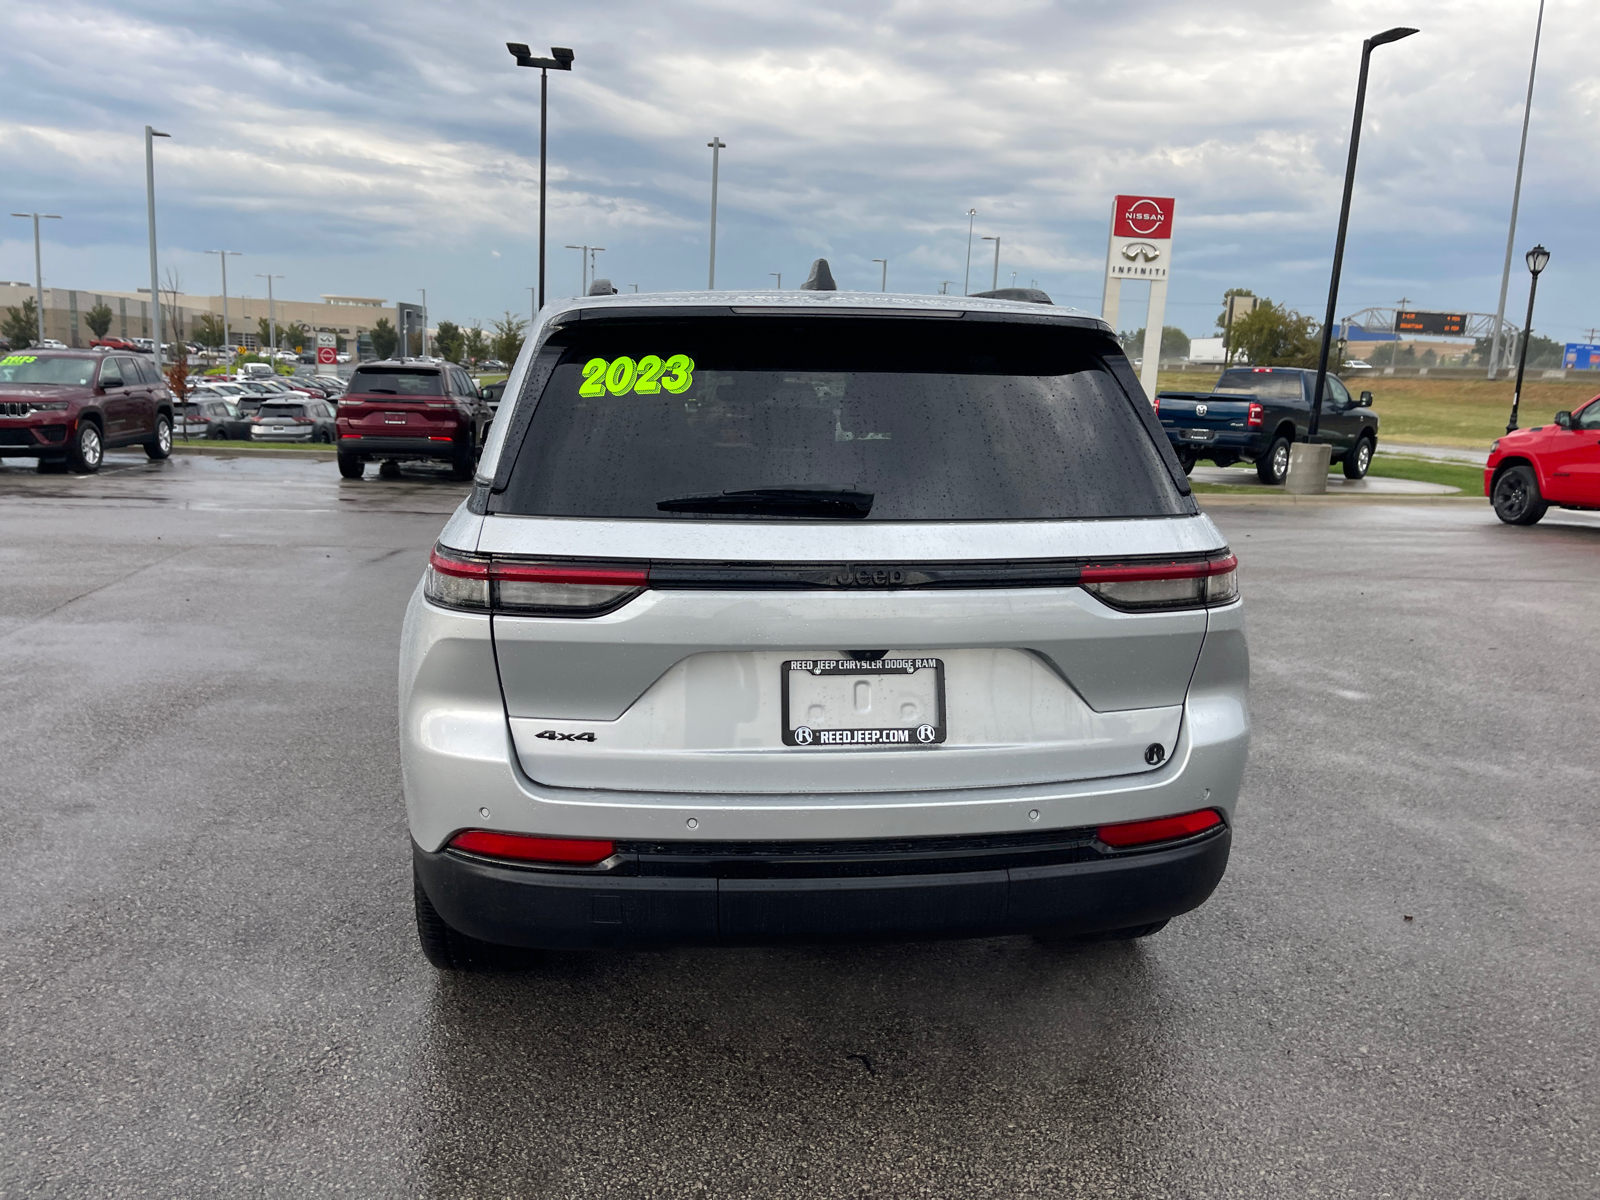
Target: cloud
{"x": 390, "y": 142}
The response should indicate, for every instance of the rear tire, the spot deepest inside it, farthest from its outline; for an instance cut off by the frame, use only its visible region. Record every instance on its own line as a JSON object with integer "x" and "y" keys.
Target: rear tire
{"x": 160, "y": 446}
{"x": 1187, "y": 460}
{"x": 1359, "y": 459}
{"x": 1131, "y": 933}
{"x": 1516, "y": 496}
{"x": 463, "y": 463}
{"x": 444, "y": 947}
{"x": 88, "y": 449}
{"x": 1273, "y": 466}
{"x": 351, "y": 467}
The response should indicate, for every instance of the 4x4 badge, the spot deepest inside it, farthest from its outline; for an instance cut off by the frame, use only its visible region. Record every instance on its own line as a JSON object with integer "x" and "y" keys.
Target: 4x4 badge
{"x": 550, "y": 735}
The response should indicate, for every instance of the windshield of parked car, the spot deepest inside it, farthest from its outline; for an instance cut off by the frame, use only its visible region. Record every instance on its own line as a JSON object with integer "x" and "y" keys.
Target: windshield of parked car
{"x": 396, "y": 381}
{"x": 1261, "y": 382}
{"x": 47, "y": 369}
{"x": 270, "y": 409}
{"x": 880, "y": 420}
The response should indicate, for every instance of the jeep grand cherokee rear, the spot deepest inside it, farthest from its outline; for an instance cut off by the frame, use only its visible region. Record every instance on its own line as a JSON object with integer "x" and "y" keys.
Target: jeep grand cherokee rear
{"x": 817, "y": 617}
{"x": 408, "y": 411}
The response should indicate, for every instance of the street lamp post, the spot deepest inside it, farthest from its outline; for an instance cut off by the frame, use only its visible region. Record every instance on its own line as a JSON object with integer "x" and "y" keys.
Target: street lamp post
{"x": 1516, "y": 199}
{"x": 593, "y": 273}
{"x": 583, "y": 267}
{"x": 424, "y": 292}
{"x": 38, "y": 266}
{"x": 560, "y": 60}
{"x": 227, "y": 333}
{"x": 1537, "y": 259}
{"x": 717, "y": 147}
{"x": 150, "y": 135}
{"x": 995, "y": 286}
{"x": 272, "y": 316}
{"x": 1367, "y": 47}
{"x": 778, "y": 275}
{"x": 883, "y": 285}
{"x": 944, "y": 286}
{"x": 966, "y": 279}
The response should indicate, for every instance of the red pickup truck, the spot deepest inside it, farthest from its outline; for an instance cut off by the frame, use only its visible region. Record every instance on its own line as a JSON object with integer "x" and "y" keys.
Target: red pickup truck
{"x": 1531, "y": 469}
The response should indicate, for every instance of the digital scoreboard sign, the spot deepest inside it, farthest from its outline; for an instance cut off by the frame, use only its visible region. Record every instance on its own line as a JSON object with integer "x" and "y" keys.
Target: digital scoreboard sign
{"x": 1436, "y": 323}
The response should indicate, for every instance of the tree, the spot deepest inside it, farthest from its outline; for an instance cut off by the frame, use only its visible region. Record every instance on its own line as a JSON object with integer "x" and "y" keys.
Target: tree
{"x": 98, "y": 319}
{"x": 1174, "y": 343}
{"x": 21, "y": 326}
{"x": 447, "y": 341}
{"x": 384, "y": 338}
{"x": 508, "y": 334}
{"x": 264, "y": 333}
{"x": 474, "y": 345}
{"x": 208, "y": 329}
{"x": 172, "y": 312}
{"x": 1275, "y": 336}
{"x": 1383, "y": 356}
{"x": 297, "y": 336}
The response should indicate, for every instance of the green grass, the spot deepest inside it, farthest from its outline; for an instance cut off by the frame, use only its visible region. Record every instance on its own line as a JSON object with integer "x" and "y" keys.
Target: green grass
{"x": 227, "y": 444}
{"x": 1465, "y": 476}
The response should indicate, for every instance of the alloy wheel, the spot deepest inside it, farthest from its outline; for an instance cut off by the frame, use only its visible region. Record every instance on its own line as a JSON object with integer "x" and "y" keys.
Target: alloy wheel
{"x": 89, "y": 446}
{"x": 1280, "y": 462}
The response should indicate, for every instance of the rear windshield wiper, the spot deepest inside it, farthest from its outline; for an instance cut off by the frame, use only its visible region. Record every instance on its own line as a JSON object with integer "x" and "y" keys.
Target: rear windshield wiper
{"x": 777, "y": 502}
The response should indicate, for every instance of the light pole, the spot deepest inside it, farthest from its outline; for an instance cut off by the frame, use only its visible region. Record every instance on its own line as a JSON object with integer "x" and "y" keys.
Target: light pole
{"x": 995, "y": 286}
{"x": 778, "y": 275}
{"x": 635, "y": 288}
{"x": 966, "y": 279}
{"x": 227, "y": 334}
{"x": 1367, "y": 47}
{"x": 424, "y": 292}
{"x": 533, "y": 299}
{"x": 150, "y": 135}
{"x": 883, "y": 285}
{"x": 1516, "y": 198}
{"x": 717, "y": 147}
{"x": 272, "y": 316}
{"x": 944, "y": 285}
{"x": 1537, "y": 259}
{"x": 560, "y": 60}
{"x": 38, "y": 266}
{"x": 593, "y": 274}
{"x": 583, "y": 269}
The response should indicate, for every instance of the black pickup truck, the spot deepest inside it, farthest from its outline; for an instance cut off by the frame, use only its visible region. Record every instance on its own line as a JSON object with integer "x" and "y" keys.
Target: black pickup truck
{"x": 1255, "y": 413}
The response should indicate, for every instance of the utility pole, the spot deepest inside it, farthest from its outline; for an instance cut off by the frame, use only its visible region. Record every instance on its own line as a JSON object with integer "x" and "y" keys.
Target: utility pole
{"x": 38, "y": 266}
{"x": 995, "y": 286}
{"x": 884, "y": 285}
{"x": 1516, "y": 199}
{"x": 944, "y": 286}
{"x": 272, "y": 316}
{"x": 150, "y": 134}
{"x": 583, "y": 269}
{"x": 966, "y": 279}
{"x": 227, "y": 333}
{"x": 593, "y": 274}
{"x": 778, "y": 275}
{"x": 717, "y": 147}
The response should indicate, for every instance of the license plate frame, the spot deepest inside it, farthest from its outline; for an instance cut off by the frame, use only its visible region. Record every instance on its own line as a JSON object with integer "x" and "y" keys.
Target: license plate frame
{"x": 1198, "y": 435}
{"x": 922, "y": 736}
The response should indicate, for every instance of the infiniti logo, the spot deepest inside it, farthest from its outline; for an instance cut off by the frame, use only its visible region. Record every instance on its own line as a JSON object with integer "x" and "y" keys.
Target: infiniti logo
{"x": 1141, "y": 251}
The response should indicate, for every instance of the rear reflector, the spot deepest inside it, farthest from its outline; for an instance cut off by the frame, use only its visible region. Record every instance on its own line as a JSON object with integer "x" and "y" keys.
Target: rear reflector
{"x": 1162, "y": 829}
{"x": 538, "y": 589}
{"x": 1146, "y": 586}
{"x": 521, "y": 848}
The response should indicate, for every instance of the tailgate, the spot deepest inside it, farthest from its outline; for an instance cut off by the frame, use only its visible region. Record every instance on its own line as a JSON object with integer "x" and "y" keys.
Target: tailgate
{"x": 1200, "y": 417}
{"x": 385, "y": 416}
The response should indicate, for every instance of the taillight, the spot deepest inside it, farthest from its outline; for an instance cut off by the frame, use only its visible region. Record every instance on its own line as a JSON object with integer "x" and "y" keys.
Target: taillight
{"x": 1147, "y": 586}
{"x": 1255, "y": 416}
{"x": 1161, "y": 829}
{"x": 522, "y": 848}
{"x": 1156, "y": 404}
{"x": 542, "y": 589}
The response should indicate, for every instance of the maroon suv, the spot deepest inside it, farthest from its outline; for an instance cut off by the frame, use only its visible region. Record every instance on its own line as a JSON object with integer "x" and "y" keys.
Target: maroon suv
{"x": 404, "y": 410}
{"x": 67, "y": 407}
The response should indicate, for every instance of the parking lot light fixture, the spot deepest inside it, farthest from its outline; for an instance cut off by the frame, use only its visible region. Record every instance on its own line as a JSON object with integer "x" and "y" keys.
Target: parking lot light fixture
{"x": 560, "y": 60}
{"x": 995, "y": 286}
{"x": 778, "y": 275}
{"x": 150, "y": 135}
{"x": 883, "y": 285}
{"x": 38, "y": 265}
{"x": 1537, "y": 259}
{"x": 583, "y": 269}
{"x": 227, "y": 334}
{"x": 272, "y": 316}
{"x": 1516, "y": 199}
{"x": 966, "y": 279}
{"x": 717, "y": 146}
{"x": 1367, "y": 47}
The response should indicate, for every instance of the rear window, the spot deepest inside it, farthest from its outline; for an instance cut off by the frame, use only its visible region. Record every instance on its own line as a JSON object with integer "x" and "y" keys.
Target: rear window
{"x": 270, "y": 409}
{"x": 906, "y": 420}
{"x": 35, "y": 368}
{"x": 396, "y": 381}
{"x": 1263, "y": 384}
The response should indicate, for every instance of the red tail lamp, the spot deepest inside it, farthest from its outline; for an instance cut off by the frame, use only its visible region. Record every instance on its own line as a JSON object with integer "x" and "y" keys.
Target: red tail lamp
{"x": 1161, "y": 829}
{"x": 521, "y": 848}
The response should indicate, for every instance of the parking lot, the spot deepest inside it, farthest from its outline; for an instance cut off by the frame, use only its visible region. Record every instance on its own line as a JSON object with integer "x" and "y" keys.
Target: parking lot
{"x": 210, "y": 983}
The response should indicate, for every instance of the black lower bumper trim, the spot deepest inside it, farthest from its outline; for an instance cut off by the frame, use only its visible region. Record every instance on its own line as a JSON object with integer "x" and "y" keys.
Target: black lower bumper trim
{"x": 554, "y": 910}
{"x": 382, "y": 447}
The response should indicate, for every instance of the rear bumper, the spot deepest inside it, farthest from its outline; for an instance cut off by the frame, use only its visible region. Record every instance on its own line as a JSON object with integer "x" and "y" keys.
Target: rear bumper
{"x": 1245, "y": 445}
{"x": 560, "y": 910}
{"x": 394, "y": 447}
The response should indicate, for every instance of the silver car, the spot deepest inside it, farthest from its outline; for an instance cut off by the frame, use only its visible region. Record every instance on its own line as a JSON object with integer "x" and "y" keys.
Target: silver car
{"x": 794, "y": 616}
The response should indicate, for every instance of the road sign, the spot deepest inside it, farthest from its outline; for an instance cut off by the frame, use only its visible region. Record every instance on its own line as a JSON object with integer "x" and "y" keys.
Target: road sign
{"x": 1581, "y": 356}
{"x": 327, "y": 356}
{"x": 1439, "y": 324}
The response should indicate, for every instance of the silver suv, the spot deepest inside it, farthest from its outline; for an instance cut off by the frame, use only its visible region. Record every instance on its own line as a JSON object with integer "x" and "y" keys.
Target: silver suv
{"x": 796, "y": 616}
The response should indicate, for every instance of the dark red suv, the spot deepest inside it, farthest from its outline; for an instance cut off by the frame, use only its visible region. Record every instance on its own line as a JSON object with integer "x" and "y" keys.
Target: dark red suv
{"x": 68, "y": 407}
{"x": 406, "y": 410}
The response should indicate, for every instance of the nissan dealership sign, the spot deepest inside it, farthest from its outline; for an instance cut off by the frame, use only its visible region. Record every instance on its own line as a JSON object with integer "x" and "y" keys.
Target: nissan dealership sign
{"x": 1140, "y": 249}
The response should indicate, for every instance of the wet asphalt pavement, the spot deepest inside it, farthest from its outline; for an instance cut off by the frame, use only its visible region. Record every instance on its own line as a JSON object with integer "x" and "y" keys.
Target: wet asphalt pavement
{"x": 210, "y": 984}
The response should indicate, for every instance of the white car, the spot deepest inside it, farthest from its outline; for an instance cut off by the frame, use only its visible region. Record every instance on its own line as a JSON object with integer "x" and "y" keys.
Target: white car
{"x": 780, "y": 616}
{"x": 52, "y": 344}
{"x": 1356, "y": 364}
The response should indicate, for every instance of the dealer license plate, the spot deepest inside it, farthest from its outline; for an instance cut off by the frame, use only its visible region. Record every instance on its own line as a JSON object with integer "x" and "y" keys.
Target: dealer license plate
{"x": 1198, "y": 435}
{"x": 841, "y": 702}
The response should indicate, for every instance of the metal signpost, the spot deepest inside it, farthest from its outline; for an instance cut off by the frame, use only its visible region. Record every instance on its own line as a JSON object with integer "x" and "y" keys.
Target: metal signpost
{"x": 1140, "y": 248}
{"x": 327, "y": 350}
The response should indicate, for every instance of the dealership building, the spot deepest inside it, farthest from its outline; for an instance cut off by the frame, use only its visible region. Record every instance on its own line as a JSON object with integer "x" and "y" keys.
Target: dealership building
{"x": 347, "y": 317}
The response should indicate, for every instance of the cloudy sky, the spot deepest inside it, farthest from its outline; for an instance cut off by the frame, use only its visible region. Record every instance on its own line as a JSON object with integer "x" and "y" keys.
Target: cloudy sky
{"x": 375, "y": 149}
